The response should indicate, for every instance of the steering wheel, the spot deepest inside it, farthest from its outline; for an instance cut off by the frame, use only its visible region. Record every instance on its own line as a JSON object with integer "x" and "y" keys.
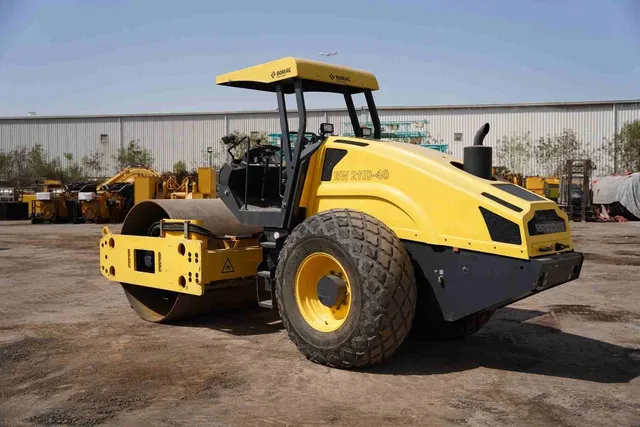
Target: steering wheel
{"x": 263, "y": 153}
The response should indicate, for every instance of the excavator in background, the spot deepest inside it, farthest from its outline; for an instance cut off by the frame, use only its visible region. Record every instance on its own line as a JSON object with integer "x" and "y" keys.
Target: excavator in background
{"x": 116, "y": 196}
{"x": 112, "y": 199}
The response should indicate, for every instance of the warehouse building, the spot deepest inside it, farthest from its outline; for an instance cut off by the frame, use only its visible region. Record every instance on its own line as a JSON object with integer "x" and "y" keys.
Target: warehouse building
{"x": 189, "y": 136}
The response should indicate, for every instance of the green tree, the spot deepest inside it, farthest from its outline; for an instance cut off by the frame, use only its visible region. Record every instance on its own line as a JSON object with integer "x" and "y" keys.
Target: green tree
{"x": 179, "y": 167}
{"x": 93, "y": 163}
{"x": 513, "y": 152}
{"x": 6, "y": 160}
{"x": 23, "y": 167}
{"x": 39, "y": 166}
{"x": 553, "y": 151}
{"x": 18, "y": 172}
{"x": 180, "y": 170}
{"x": 133, "y": 156}
{"x": 73, "y": 172}
{"x": 625, "y": 147}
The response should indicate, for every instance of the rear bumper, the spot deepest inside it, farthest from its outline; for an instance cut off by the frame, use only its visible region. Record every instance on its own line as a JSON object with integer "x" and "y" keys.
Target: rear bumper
{"x": 465, "y": 282}
{"x": 557, "y": 269}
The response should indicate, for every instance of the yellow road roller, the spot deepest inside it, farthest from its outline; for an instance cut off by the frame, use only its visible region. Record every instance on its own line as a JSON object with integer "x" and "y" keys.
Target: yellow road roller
{"x": 113, "y": 198}
{"x": 355, "y": 241}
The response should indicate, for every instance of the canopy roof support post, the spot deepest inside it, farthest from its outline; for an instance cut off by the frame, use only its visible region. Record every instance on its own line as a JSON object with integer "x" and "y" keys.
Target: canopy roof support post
{"x": 302, "y": 118}
{"x": 353, "y": 115}
{"x": 295, "y": 180}
{"x": 373, "y": 112}
{"x": 285, "y": 143}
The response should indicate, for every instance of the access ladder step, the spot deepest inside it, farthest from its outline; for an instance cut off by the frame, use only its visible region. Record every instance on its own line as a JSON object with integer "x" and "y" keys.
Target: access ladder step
{"x": 268, "y": 245}
{"x": 264, "y": 273}
{"x": 266, "y": 303}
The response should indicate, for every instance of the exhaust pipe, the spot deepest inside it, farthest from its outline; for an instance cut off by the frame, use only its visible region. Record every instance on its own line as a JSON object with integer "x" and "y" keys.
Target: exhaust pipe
{"x": 482, "y": 132}
{"x": 477, "y": 158}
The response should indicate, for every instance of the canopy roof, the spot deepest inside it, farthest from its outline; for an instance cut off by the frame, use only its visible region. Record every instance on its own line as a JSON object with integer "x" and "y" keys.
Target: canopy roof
{"x": 316, "y": 76}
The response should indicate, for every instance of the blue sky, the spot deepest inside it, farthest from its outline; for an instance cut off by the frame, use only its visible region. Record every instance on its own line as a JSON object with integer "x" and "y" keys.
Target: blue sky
{"x": 94, "y": 57}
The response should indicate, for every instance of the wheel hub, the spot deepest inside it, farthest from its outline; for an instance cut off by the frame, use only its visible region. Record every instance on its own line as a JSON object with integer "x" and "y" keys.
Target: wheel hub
{"x": 331, "y": 290}
{"x": 323, "y": 292}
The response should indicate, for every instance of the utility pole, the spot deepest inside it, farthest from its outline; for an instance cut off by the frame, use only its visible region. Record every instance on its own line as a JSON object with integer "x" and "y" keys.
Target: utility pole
{"x": 210, "y": 152}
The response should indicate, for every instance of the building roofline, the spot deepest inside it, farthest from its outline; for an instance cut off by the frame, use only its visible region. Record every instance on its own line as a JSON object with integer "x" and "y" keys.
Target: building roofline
{"x": 380, "y": 108}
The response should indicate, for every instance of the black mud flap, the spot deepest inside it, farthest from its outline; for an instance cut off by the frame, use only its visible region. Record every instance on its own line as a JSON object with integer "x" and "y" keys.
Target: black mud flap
{"x": 467, "y": 282}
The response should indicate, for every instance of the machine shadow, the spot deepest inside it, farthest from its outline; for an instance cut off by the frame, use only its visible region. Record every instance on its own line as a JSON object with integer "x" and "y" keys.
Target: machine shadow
{"x": 508, "y": 343}
{"x": 240, "y": 322}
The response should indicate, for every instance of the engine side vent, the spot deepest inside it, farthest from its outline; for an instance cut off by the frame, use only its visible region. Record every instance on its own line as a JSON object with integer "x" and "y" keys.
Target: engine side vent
{"x": 546, "y": 222}
{"x": 331, "y": 158}
{"x": 501, "y": 229}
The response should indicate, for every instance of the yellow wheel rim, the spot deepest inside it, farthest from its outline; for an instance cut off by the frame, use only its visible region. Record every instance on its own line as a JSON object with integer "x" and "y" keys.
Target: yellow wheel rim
{"x": 320, "y": 317}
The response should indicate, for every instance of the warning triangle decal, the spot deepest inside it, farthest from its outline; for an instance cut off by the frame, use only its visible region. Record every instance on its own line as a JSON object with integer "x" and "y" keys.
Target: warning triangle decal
{"x": 227, "y": 267}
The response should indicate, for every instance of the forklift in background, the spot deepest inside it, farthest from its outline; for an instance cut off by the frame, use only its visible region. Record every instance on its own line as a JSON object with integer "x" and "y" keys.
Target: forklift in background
{"x": 575, "y": 190}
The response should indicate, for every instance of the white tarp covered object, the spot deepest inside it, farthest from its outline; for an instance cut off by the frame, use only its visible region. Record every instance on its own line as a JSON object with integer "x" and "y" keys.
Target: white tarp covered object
{"x": 624, "y": 189}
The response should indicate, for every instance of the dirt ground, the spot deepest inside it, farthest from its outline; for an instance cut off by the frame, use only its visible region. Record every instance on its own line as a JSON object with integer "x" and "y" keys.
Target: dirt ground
{"x": 72, "y": 352}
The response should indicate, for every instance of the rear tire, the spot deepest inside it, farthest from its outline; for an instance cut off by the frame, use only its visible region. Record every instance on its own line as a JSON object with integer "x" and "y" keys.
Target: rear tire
{"x": 382, "y": 289}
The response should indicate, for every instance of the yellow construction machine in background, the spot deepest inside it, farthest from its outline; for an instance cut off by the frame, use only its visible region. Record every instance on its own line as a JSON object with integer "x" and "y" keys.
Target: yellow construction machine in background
{"x": 116, "y": 196}
{"x": 200, "y": 185}
{"x": 503, "y": 173}
{"x": 548, "y": 187}
{"x": 113, "y": 198}
{"x": 44, "y": 205}
{"x": 57, "y": 202}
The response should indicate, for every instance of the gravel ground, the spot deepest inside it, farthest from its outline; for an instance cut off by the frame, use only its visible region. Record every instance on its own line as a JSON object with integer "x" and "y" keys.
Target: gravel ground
{"x": 72, "y": 352}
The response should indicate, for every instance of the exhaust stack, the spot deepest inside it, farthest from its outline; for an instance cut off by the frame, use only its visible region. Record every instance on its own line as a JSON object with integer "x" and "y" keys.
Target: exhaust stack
{"x": 477, "y": 158}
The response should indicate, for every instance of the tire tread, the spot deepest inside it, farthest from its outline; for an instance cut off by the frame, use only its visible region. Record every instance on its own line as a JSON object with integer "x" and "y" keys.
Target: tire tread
{"x": 389, "y": 288}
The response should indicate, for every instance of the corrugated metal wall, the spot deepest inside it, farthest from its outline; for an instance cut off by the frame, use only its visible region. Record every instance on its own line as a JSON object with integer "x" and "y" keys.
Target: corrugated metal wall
{"x": 627, "y": 113}
{"x": 592, "y": 124}
{"x": 186, "y": 137}
{"x": 177, "y": 138}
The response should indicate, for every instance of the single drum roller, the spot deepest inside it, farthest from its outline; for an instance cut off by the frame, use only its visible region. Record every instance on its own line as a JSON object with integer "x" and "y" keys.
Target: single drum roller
{"x": 360, "y": 240}
{"x": 158, "y": 305}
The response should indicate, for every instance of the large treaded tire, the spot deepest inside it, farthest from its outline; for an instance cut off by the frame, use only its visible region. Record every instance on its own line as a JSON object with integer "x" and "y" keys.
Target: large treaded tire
{"x": 382, "y": 281}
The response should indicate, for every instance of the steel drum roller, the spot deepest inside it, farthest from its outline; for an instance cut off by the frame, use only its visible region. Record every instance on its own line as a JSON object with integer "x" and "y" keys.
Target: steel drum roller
{"x": 156, "y": 305}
